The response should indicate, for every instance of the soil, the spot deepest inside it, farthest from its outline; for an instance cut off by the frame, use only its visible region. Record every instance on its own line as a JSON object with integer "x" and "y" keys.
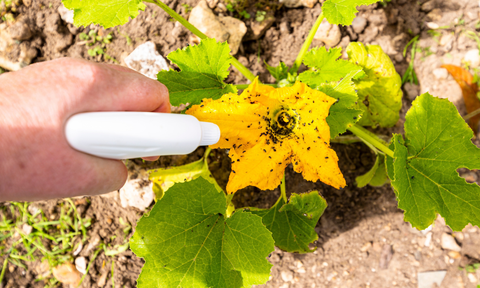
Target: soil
{"x": 363, "y": 240}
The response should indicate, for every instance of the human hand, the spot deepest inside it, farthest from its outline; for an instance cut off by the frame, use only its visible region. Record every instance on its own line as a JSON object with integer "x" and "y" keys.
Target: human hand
{"x": 36, "y": 161}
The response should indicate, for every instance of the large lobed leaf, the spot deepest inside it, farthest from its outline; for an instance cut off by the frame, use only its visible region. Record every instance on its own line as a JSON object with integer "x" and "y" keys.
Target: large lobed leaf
{"x": 187, "y": 241}
{"x": 328, "y": 67}
{"x": 423, "y": 173}
{"x": 203, "y": 69}
{"x": 379, "y": 92}
{"x": 336, "y": 83}
{"x": 293, "y": 224}
{"x": 107, "y": 13}
{"x": 343, "y": 11}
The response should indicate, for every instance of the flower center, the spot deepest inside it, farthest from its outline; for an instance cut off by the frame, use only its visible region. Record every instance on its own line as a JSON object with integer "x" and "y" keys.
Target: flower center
{"x": 283, "y": 122}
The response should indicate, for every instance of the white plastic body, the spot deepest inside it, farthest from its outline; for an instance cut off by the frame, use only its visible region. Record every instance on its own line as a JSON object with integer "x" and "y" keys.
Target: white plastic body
{"x": 126, "y": 135}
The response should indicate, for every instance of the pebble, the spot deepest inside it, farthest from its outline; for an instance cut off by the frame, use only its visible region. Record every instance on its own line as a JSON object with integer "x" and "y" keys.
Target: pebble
{"x": 81, "y": 264}
{"x": 65, "y": 14}
{"x": 221, "y": 28}
{"x": 473, "y": 57}
{"x": 78, "y": 249}
{"x": 298, "y": 3}
{"x": 472, "y": 278}
{"x": 440, "y": 73}
{"x": 135, "y": 194}
{"x": 146, "y": 60}
{"x": 212, "y": 3}
{"x": 428, "y": 6}
{"x": 470, "y": 177}
{"x": 328, "y": 34}
{"x": 359, "y": 24}
{"x": 432, "y": 25}
{"x": 259, "y": 28}
{"x": 449, "y": 243}
{"x": 27, "y": 229}
{"x": 386, "y": 256}
{"x": 20, "y": 31}
{"x": 287, "y": 275}
{"x": 428, "y": 279}
{"x": 454, "y": 254}
{"x": 67, "y": 274}
{"x": 411, "y": 90}
{"x": 366, "y": 247}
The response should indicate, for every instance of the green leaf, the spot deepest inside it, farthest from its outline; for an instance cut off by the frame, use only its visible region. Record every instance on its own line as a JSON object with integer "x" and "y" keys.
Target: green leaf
{"x": 107, "y": 13}
{"x": 379, "y": 93}
{"x": 377, "y": 176}
{"x": 342, "y": 114}
{"x": 280, "y": 72}
{"x": 343, "y": 11}
{"x": 164, "y": 178}
{"x": 425, "y": 167}
{"x": 327, "y": 66}
{"x": 203, "y": 69}
{"x": 293, "y": 224}
{"x": 187, "y": 241}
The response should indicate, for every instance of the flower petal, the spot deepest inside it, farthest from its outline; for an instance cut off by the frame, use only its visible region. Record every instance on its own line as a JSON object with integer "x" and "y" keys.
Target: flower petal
{"x": 261, "y": 166}
{"x": 316, "y": 161}
{"x": 239, "y": 117}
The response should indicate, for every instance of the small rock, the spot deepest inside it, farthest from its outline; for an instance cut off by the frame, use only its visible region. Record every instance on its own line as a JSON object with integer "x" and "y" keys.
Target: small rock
{"x": 43, "y": 270}
{"x": 428, "y": 239}
{"x": 212, "y": 3}
{"x": 328, "y": 34}
{"x": 65, "y": 14}
{"x": 220, "y": 28}
{"x": 236, "y": 29}
{"x": 399, "y": 57}
{"x": 449, "y": 243}
{"x": 298, "y": 3}
{"x": 92, "y": 244}
{"x": 472, "y": 57}
{"x": 102, "y": 280}
{"x": 411, "y": 90}
{"x": 454, "y": 254}
{"x": 385, "y": 256}
{"x": 67, "y": 274}
{"x": 470, "y": 177}
{"x": 287, "y": 275}
{"x": 366, "y": 247}
{"x": 14, "y": 55}
{"x": 359, "y": 24}
{"x": 137, "y": 193}
{"x": 20, "y": 31}
{"x": 432, "y": 25}
{"x": 146, "y": 60}
{"x": 259, "y": 28}
{"x": 78, "y": 249}
{"x": 440, "y": 73}
{"x": 447, "y": 41}
{"x": 27, "y": 3}
{"x": 418, "y": 255}
{"x": 81, "y": 264}
{"x": 27, "y": 229}
{"x": 472, "y": 278}
{"x": 428, "y": 6}
{"x": 63, "y": 41}
{"x": 428, "y": 279}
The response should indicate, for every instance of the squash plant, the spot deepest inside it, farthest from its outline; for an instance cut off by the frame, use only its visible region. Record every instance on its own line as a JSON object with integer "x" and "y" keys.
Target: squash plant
{"x": 195, "y": 237}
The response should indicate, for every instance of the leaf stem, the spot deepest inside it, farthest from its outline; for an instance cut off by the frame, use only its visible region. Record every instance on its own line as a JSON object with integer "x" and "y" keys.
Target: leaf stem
{"x": 245, "y": 86}
{"x": 349, "y": 139}
{"x": 240, "y": 67}
{"x": 371, "y": 139}
{"x": 306, "y": 44}
{"x": 471, "y": 115}
{"x": 283, "y": 189}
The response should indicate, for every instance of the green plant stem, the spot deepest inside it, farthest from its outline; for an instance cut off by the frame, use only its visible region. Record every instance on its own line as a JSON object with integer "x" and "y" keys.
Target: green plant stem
{"x": 90, "y": 264}
{"x": 240, "y": 67}
{"x": 349, "y": 139}
{"x": 306, "y": 44}
{"x": 370, "y": 138}
{"x": 4, "y": 268}
{"x": 470, "y": 115}
{"x": 113, "y": 278}
{"x": 245, "y": 86}
{"x": 283, "y": 189}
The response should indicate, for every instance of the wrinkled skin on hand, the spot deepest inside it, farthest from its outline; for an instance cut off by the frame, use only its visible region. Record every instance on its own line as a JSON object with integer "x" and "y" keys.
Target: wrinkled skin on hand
{"x": 35, "y": 103}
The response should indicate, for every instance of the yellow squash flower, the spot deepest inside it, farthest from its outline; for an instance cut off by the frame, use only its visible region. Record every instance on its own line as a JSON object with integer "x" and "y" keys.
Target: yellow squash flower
{"x": 268, "y": 128}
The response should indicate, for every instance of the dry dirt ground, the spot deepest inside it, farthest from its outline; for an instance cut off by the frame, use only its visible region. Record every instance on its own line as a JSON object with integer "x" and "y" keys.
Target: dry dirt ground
{"x": 363, "y": 240}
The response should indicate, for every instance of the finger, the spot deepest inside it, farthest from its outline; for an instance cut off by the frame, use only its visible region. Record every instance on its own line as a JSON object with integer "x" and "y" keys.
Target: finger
{"x": 151, "y": 158}
{"x": 106, "y": 176}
